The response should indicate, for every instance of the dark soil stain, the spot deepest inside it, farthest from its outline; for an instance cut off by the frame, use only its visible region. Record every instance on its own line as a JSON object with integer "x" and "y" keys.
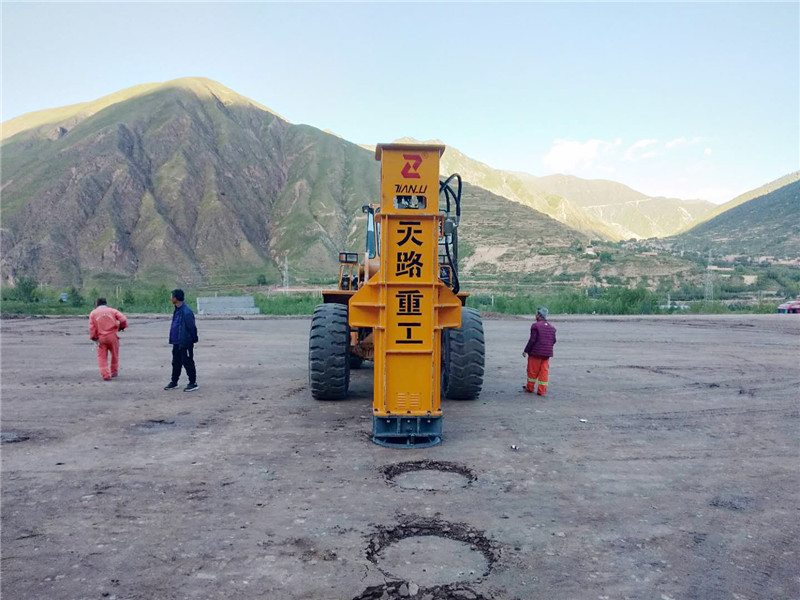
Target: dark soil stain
{"x": 731, "y": 502}
{"x": 159, "y": 425}
{"x": 422, "y": 526}
{"x": 397, "y": 590}
{"x": 393, "y": 470}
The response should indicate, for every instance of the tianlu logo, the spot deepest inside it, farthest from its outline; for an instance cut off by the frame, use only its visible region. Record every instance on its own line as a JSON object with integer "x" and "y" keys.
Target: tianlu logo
{"x": 413, "y": 161}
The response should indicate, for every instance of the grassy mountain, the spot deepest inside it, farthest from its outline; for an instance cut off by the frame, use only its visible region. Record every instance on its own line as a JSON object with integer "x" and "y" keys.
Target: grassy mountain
{"x": 746, "y": 197}
{"x": 184, "y": 181}
{"x": 189, "y": 182}
{"x": 599, "y": 208}
{"x": 56, "y": 122}
{"x": 766, "y": 225}
{"x": 511, "y": 186}
{"x": 626, "y": 209}
{"x": 505, "y": 243}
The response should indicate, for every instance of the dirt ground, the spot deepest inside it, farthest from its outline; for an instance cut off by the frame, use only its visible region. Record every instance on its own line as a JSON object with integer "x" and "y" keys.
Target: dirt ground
{"x": 663, "y": 464}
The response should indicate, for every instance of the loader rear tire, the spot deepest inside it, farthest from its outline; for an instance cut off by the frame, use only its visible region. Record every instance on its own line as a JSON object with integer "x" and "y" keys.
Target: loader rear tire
{"x": 356, "y": 361}
{"x": 328, "y": 359}
{"x": 463, "y": 357}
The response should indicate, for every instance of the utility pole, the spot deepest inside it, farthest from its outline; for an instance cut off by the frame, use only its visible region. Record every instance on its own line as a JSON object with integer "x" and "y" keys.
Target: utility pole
{"x": 709, "y": 281}
{"x": 285, "y": 271}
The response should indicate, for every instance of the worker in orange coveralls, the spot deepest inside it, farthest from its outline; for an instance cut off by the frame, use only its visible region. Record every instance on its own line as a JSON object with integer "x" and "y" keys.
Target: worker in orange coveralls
{"x": 538, "y": 351}
{"x": 104, "y": 323}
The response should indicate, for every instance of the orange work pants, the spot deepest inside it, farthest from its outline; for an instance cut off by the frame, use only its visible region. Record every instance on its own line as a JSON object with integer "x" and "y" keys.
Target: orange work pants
{"x": 538, "y": 370}
{"x": 108, "y": 343}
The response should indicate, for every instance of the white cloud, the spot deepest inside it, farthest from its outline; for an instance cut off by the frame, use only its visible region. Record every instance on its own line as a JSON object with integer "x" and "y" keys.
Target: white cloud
{"x": 681, "y": 141}
{"x": 566, "y": 155}
{"x": 675, "y": 168}
{"x": 676, "y": 142}
{"x": 630, "y": 153}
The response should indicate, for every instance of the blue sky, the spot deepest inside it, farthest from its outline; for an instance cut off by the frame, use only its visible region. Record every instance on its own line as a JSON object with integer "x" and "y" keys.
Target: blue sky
{"x": 680, "y": 99}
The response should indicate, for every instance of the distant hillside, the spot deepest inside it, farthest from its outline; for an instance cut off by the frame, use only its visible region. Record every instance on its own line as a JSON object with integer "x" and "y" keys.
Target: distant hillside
{"x": 505, "y": 242}
{"x": 184, "y": 181}
{"x": 746, "y": 197}
{"x": 601, "y": 209}
{"x": 509, "y": 185}
{"x": 623, "y": 207}
{"x": 52, "y": 123}
{"x": 189, "y": 182}
{"x": 767, "y": 225}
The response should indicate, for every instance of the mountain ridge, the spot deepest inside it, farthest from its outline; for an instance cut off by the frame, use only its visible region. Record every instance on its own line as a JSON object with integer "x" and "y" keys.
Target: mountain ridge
{"x": 602, "y": 208}
{"x": 173, "y": 183}
{"x": 764, "y": 227}
{"x": 177, "y": 179}
{"x": 761, "y": 190}
{"x": 187, "y": 181}
{"x": 75, "y": 113}
{"x": 633, "y": 211}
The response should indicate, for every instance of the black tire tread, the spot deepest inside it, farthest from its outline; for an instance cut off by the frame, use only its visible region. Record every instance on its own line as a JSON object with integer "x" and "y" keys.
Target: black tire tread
{"x": 328, "y": 359}
{"x": 466, "y": 357}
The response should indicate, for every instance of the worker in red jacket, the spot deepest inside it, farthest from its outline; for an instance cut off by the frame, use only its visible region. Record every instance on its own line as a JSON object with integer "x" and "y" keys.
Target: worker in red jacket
{"x": 538, "y": 351}
{"x": 104, "y": 323}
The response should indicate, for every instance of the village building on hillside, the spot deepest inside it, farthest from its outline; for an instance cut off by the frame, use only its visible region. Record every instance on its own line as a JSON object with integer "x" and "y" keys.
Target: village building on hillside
{"x": 750, "y": 279}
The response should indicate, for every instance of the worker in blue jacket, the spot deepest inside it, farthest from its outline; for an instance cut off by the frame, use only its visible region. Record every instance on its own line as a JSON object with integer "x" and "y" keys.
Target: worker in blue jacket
{"x": 183, "y": 337}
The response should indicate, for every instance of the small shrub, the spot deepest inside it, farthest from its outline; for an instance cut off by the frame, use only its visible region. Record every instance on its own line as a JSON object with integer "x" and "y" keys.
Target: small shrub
{"x": 74, "y": 297}
{"x": 25, "y": 290}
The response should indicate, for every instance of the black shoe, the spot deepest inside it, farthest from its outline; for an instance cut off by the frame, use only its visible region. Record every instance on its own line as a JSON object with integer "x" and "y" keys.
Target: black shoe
{"x": 171, "y": 385}
{"x": 191, "y": 387}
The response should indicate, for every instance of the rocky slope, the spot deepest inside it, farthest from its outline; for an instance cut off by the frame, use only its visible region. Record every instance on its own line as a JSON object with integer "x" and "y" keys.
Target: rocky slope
{"x": 766, "y": 225}
{"x": 514, "y": 187}
{"x": 506, "y": 245}
{"x": 601, "y": 209}
{"x": 630, "y": 211}
{"x": 185, "y": 181}
{"x": 746, "y": 197}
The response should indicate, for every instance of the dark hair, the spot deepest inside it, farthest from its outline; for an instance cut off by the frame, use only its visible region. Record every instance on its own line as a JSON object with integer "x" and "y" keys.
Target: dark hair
{"x": 178, "y": 294}
{"x": 100, "y": 301}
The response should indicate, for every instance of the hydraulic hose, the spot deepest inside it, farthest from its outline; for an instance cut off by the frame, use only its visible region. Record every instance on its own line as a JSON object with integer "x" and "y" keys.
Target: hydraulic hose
{"x": 449, "y": 194}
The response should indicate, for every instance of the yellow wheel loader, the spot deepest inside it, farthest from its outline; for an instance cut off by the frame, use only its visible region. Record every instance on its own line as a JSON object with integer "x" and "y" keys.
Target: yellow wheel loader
{"x": 400, "y": 305}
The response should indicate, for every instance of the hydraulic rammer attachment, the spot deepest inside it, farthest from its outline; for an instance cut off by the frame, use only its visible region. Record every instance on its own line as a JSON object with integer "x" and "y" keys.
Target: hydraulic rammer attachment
{"x": 405, "y": 303}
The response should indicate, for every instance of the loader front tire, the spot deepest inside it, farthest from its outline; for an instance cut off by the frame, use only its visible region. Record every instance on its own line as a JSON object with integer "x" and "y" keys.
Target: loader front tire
{"x": 328, "y": 359}
{"x": 463, "y": 357}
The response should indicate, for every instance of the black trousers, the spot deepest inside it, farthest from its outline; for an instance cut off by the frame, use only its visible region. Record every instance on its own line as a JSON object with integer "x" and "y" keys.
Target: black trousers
{"x": 183, "y": 357}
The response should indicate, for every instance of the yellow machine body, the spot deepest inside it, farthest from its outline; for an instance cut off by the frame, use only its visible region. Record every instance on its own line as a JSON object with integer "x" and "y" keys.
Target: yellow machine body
{"x": 405, "y": 303}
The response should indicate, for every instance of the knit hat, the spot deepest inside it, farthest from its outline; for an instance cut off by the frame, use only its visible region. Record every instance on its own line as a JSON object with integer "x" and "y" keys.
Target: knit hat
{"x": 542, "y": 311}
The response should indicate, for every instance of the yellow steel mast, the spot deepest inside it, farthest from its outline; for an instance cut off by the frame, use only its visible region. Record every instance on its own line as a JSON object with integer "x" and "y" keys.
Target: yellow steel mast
{"x": 405, "y": 302}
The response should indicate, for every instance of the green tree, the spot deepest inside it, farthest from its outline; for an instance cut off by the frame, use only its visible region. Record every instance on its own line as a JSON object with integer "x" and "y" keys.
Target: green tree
{"x": 25, "y": 290}
{"x": 75, "y": 298}
{"x": 129, "y": 298}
